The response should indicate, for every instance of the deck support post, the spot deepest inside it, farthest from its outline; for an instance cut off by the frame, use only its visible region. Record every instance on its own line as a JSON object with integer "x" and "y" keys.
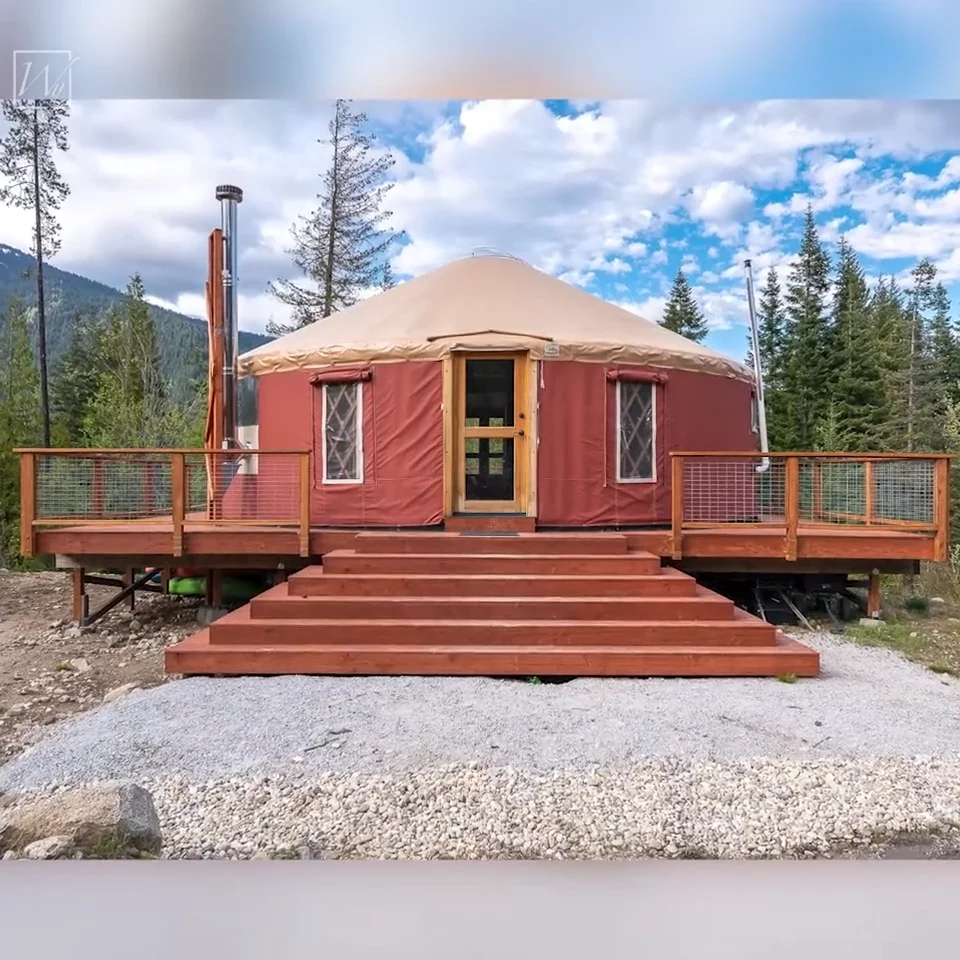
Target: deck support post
{"x": 873, "y": 595}
{"x": 214, "y": 596}
{"x": 128, "y": 582}
{"x": 81, "y": 601}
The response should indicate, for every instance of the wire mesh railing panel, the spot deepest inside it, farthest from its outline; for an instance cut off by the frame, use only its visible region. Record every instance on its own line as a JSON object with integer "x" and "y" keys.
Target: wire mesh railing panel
{"x": 824, "y": 490}
{"x": 832, "y": 491}
{"x": 905, "y": 491}
{"x": 203, "y": 486}
{"x": 747, "y": 490}
{"x": 868, "y": 492}
{"x": 102, "y": 486}
{"x": 233, "y": 486}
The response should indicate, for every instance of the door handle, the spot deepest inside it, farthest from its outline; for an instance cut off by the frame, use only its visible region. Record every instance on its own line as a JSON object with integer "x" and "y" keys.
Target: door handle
{"x": 519, "y": 433}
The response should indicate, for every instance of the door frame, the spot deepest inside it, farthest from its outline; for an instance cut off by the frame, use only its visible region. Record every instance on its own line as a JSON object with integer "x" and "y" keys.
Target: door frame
{"x": 455, "y": 433}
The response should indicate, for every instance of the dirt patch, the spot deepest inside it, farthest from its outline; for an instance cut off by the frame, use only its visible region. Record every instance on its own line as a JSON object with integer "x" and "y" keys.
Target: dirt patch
{"x": 51, "y": 669}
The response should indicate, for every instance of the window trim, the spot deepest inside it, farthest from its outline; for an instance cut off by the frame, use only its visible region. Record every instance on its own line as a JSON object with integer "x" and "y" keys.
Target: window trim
{"x": 619, "y": 385}
{"x": 324, "y": 479}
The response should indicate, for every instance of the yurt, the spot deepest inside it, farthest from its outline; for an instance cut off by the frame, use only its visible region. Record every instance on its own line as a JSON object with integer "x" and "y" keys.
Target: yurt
{"x": 489, "y": 387}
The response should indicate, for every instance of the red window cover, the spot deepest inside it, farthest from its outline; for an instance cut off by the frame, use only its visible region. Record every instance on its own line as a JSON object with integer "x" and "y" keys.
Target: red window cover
{"x": 343, "y": 375}
{"x": 636, "y": 376}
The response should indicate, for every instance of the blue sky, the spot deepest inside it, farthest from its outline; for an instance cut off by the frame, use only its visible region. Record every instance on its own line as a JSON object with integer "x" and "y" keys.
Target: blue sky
{"x": 612, "y": 195}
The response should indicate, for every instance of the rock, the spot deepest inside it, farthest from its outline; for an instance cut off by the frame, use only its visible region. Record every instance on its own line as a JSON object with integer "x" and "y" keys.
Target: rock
{"x": 117, "y": 692}
{"x": 870, "y": 622}
{"x": 50, "y": 848}
{"x": 136, "y": 625}
{"x": 80, "y": 665}
{"x": 73, "y": 633}
{"x": 937, "y": 600}
{"x": 100, "y": 820}
{"x": 11, "y": 855}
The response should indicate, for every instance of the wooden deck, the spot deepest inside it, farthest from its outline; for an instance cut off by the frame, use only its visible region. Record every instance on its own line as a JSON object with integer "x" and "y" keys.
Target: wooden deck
{"x": 519, "y": 599}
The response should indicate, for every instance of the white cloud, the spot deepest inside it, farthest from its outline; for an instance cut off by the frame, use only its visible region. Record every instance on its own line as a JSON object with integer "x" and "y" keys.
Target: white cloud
{"x": 720, "y": 202}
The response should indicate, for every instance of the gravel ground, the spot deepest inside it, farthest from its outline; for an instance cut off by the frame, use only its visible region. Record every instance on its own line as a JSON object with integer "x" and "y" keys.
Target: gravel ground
{"x": 869, "y": 703}
{"x": 473, "y": 767}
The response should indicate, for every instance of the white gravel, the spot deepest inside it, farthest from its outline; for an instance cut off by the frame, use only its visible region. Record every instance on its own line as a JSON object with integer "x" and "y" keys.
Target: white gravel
{"x": 473, "y": 767}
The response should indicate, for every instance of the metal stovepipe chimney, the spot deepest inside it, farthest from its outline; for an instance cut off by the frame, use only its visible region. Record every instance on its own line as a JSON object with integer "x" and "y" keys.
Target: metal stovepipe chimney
{"x": 230, "y": 197}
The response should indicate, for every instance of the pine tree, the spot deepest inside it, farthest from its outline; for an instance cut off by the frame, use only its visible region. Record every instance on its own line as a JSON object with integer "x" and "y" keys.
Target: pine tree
{"x": 944, "y": 350}
{"x": 917, "y": 375}
{"x": 807, "y": 349}
{"x": 19, "y": 420}
{"x": 342, "y": 245}
{"x": 36, "y": 129}
{"x": 888, "y": 319}
{"x": 682, "y": 313}
{"x": 76, "y": 379}
{"x": 857, "y": 389}
{"x": 130, "y": 406}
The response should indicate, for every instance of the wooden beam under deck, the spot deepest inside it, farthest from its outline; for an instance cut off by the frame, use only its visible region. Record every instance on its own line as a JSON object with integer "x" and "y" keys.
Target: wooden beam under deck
{"x": 140, "y": 543}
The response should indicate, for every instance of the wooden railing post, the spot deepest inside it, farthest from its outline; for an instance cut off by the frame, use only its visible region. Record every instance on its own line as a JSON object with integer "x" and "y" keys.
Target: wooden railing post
{"x": 304, "y": 504}
{"x": 870, "y": 509}
{"x": 28, "y": 503}
{"x": 792, "y": 507}
{"x": 178, "y": 470}
{"x": 941, "y": 510}
{"x": 676, "y": 508}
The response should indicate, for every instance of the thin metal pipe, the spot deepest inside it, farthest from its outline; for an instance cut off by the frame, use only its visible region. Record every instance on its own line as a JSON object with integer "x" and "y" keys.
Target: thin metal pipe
{"x": 764, "y": 465}
{"x": 230, "y": 197}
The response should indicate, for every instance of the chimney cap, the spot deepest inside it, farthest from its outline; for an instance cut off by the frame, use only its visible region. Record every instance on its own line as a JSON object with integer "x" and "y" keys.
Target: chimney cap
{"x": 227, "y": 192}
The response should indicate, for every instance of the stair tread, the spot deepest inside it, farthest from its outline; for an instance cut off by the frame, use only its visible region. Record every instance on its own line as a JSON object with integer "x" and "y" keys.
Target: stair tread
{"x": 313, "y": 573}
{"x": 497, "y": 649}
{"x": 484, "y": 555}
{"x": 452, "y": 622}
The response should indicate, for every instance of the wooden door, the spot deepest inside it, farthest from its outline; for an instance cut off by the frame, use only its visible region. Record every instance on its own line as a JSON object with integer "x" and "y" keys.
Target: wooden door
{"x": 491, "y": 427}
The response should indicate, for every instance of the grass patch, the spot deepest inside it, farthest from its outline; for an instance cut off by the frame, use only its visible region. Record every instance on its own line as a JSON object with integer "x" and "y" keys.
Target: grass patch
{"x": 933, "y": 642}
{"x": 787, "y": 678}
{"x": 944, "y": 668}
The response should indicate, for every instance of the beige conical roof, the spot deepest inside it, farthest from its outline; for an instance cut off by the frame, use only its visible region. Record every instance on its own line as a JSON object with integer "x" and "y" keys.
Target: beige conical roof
{"x": 485, "y": 302}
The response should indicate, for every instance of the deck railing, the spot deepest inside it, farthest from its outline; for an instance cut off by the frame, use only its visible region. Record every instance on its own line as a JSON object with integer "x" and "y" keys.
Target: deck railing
{"x": 795, "y": 492}
{"x": 176, "y": 489}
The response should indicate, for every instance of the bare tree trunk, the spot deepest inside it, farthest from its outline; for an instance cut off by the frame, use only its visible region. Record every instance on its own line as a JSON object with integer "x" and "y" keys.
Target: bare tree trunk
{"x": 41, "y": 312}
{"x": 331, "y": 239}
{"x": 913, "y": 349}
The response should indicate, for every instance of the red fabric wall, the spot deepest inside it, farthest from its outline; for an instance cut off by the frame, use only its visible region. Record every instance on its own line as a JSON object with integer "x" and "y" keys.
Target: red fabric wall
{"x": 402, "y": 444}
{"x": 576, "y": 476}
{"x": 576, "y": 482}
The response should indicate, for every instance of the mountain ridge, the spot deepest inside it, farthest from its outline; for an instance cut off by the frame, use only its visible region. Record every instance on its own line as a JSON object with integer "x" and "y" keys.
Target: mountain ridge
{"x": 182, "y": 339}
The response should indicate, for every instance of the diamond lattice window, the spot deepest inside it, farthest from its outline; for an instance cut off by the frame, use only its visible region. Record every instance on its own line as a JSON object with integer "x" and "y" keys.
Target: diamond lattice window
{"x": 635, "y": 431}
{"x": 341, "y": 432}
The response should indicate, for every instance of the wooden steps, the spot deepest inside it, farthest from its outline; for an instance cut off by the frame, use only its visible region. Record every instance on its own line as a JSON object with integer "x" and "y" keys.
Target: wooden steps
{"x": 519, "y": 604}
{"x": 504, "y": 564}
{"x": 312, "y": 583}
